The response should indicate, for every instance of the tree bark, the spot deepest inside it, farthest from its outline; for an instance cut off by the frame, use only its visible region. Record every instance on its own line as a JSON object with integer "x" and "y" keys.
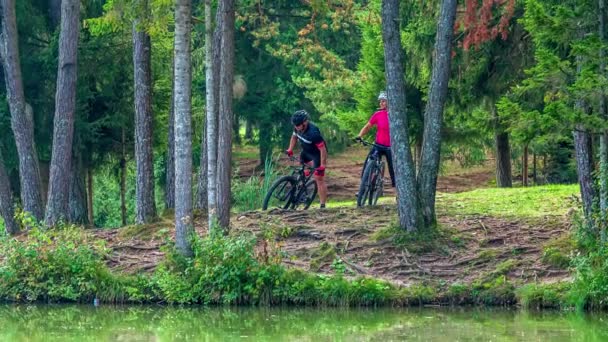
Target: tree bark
{"x": 65, "y": 105}
{"x": 6, "y": 201}
{"x": 534, "y": 169}
{"x": 226, "y": 115}
{"x": 408, "y": 207}
{"x": 90, "y": 215}
{"x": 123, "y": 179}
{"x": 170, "y": 166}
{"x": 524, "y": 166}
{"x": 77, "y": 210}
{"x": 201, "y": 187}
{"x": 183, "y": 128}
{"x": 212, "y": 66}
{"x": 433, "y": 114}
{"x": 145, "y": 208}
{"x": 584, "y": 160}
{"x": 603, "y": 112}
{"x": 23, "y": 127}
{"x": 503, "y": 154}
{"x": 584, "y": 167}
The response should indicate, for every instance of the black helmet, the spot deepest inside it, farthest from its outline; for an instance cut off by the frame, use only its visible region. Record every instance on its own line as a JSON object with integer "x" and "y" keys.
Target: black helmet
{"x": 299, "y": 117}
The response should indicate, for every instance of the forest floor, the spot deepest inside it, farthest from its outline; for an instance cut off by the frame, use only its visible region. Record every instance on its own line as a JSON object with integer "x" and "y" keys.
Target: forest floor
{"x": 522, "y": 234}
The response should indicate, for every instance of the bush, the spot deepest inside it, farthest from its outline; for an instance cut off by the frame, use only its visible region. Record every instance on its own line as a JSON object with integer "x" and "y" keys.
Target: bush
{"x": 249, "y": 195}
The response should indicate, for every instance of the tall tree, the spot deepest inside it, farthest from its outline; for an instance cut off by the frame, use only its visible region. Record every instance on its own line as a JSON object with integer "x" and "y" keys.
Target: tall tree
{"x": 603, "y": 112}
{"x": 226, "y": 115}
{"x": 503, "y": 153}
{"x": 145, "y": 208}
{"x": 212, "y": 66}
{"x": 408, "y": 207}
{"x": 183, "y": 128}
{"x": 170, "y": 165}
{"x": 201, "y": 188}
{"x": 6, "y": 200}
{"x": 584, "y": 158}
{"x": 65, "y": 105}
{"x": 22, "y": 125}
{"x": 433, "y": 116}
{"x": 77, "y": 207}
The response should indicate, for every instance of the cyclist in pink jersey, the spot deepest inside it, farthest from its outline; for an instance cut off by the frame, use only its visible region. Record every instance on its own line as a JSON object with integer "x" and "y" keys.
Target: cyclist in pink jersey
{"x": 383, "y": 135}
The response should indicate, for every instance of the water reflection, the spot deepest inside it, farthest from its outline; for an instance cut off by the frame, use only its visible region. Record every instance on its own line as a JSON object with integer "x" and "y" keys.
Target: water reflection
{"x": 157, "y": 323}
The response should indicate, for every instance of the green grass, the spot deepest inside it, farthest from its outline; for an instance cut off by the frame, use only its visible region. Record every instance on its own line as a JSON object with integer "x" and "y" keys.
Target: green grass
{"x": 538, "y": 201}
{"x": 246, "y": 152}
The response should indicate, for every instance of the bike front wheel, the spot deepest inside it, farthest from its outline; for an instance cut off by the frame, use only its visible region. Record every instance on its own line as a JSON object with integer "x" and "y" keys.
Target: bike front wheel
{"x": 306, "y": 195}
{"x": 281, "y": 194}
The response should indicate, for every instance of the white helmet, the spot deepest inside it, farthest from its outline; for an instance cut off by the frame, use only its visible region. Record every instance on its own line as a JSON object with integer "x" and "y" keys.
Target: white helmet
{"x": 382, "y": 96}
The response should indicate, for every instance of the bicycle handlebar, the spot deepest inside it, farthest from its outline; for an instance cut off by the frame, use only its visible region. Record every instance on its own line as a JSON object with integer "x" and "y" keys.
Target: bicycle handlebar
{"x": 367, "y": 143}
{"x": 297, "y": 160}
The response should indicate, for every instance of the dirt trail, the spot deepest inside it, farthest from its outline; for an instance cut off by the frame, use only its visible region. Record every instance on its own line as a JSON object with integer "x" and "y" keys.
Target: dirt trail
{"x": 360, "y": 239}
{"x": 313, "y": 240}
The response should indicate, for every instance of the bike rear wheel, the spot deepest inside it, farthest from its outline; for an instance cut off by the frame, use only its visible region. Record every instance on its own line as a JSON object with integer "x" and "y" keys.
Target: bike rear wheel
{"x": 378, "y": 186}
{"x": 365, "y": 188}
{"x": 281, "y": 194}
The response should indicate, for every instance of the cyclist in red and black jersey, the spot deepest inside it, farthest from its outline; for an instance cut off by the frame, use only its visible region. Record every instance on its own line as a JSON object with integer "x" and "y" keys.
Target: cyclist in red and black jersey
{"x": 314, "y": 150}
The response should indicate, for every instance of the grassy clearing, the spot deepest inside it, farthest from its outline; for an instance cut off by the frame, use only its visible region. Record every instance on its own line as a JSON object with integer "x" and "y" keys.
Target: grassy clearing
{"x": 531, "y": 202}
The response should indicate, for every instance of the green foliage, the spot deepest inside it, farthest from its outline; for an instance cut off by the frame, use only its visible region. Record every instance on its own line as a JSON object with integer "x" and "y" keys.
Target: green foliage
{"x": 558, "y": 252}
{"x": 590, "y": 287}
{"x": 53, "y": 265}
{"x": 249, "y": 195}
{"x": 539, "y": 296}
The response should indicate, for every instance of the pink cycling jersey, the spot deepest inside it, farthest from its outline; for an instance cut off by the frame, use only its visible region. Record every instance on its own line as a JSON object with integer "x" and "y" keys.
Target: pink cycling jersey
{"x": 380, "y": 120}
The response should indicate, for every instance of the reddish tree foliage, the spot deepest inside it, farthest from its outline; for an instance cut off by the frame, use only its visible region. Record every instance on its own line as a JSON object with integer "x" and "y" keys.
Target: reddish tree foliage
{"x": 483, "y": 23}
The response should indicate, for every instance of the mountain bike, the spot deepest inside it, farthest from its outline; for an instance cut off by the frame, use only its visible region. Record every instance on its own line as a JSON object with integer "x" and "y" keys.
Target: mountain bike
{"x": 372, "y": 181}
{"x": 294, "y": 191}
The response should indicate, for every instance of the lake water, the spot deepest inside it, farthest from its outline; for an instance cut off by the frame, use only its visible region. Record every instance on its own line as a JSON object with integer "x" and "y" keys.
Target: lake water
{"x": 159, "y": 323}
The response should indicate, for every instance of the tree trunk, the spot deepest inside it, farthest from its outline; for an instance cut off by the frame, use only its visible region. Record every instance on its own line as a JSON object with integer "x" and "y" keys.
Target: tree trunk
{"x": 503, "y": 154}
{"x": 145, "y": 208}
{"x": 524, "y": 166}
{"x": 170, "y": 166}
{"x": 90, "y": 215}
{"x": 584, "y": 166}
{"x": 123, "y": 179}
{"x": 55, "y": 12}
{"x": 534, "y": 169}
{"x": 212, "y": 66}
{"x": 236, "y": 128}
{"x": 433, "y": 114}
{"x": 65, "y": 105}
{"x": 603, "y": 112}
{"x": 265, "y": 141}
{"x": 410, "y": 216}
{"x": 77, "y": 211}
{"x": 23, "y": 127}
{"x": 201, "y": 187}
{"x": 584, "y": 160}
{"x": 6, "y": 201}
{"x": 183, "y": 128}
{"x": 224, "y": 154}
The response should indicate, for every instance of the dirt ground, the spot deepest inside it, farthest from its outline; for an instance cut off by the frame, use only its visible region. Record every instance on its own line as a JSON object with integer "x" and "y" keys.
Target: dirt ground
{"x": 362, "y": 241}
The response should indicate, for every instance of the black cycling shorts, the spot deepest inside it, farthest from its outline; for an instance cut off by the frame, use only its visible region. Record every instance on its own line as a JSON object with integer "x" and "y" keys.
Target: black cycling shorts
{"x": 306, "y": 157}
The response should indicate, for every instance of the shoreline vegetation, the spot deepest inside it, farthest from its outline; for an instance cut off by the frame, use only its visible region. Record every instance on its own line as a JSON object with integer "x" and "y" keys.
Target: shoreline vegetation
{"x": 69, "y": 264}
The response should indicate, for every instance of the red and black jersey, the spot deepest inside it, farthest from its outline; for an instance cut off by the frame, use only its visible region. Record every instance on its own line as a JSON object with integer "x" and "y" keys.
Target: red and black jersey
{"x": 311, "y": 139}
